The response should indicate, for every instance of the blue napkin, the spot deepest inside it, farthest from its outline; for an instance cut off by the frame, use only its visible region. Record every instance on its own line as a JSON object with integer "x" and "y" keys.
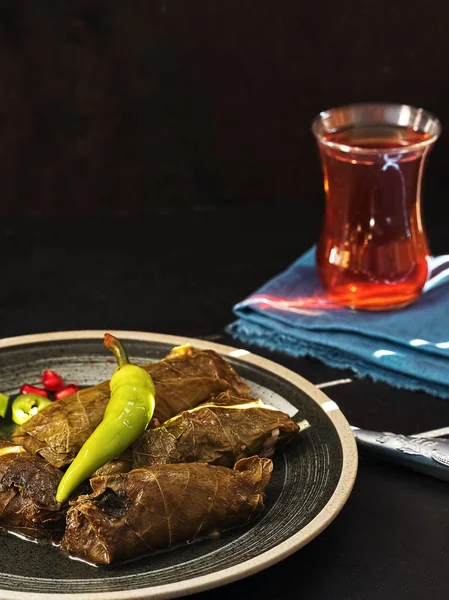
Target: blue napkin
{"x": 406, "y": 348}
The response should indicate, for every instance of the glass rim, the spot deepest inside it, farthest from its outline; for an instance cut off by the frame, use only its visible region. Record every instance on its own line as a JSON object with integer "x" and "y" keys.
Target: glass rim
{"x": 320, "y": 135}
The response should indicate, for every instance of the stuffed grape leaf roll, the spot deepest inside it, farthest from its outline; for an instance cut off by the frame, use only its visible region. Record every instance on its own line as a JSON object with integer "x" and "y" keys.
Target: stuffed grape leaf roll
{"x": 28, "y": 487}
{"x": 220, "y": 432}
{"x": 156, "y": 508}
{"x": 184, "y": 379}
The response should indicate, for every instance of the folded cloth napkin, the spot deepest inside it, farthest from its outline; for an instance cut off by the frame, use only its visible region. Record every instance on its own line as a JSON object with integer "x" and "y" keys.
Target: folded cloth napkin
{"x": 407, "y": 348}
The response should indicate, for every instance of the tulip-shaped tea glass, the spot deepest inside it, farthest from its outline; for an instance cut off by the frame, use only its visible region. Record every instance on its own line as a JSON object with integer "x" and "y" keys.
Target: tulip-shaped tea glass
{"x": 372, "y": 252}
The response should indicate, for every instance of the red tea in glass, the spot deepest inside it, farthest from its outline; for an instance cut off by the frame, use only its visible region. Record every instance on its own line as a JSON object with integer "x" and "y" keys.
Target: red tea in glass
{"x": 372, "y": 252}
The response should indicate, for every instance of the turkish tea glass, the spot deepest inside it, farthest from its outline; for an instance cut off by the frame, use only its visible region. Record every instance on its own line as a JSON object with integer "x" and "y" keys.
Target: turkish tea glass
{"x": 372, "y": 252}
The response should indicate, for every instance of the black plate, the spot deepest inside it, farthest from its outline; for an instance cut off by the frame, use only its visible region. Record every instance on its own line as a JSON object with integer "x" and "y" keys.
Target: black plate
{"x": 312, "y": 479}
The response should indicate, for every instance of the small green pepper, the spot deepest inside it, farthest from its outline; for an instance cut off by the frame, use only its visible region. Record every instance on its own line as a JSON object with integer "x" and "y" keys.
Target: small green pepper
{"x": 127, "y": 415}
{"x": 26, "y": 406}
{"x": 4, "y": 401}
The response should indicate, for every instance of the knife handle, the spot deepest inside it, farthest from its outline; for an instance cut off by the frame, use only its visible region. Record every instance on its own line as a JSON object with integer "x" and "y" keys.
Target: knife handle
{"x": 427, "y": 456}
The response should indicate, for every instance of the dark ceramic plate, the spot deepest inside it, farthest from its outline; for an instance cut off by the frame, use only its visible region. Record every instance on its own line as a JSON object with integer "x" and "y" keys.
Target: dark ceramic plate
{"x": 312, "y": 479}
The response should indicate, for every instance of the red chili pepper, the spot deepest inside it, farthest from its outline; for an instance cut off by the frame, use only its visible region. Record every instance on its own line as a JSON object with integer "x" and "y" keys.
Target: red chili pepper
{"x": 30, "y": 389}
{"x": 52, "y": 381}
{"x": 67, "y": 391}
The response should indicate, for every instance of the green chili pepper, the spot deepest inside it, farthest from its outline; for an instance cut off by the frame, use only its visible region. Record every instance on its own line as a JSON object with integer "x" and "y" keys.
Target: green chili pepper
{"x": 127, "y": 415}
{"x": 26, "y": 406}
{"x": 4, "y": 401}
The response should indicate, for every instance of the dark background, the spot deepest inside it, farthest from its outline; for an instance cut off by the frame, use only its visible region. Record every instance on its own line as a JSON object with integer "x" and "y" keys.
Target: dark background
{"x": 123, "y": 107}
{"x": 157, "y": 166}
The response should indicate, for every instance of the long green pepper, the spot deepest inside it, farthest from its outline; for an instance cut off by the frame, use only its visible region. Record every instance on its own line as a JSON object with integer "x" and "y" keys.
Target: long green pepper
{"x": 127, "y": 415}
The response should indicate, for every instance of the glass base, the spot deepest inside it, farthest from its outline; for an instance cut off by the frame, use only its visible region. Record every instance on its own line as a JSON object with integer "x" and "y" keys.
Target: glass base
{"x": 381, "y": 308}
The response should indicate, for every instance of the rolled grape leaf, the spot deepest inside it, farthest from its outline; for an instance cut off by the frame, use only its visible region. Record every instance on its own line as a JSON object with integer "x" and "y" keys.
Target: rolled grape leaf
{"x": 122, "y": 464}
{"x": 184, "y": 379}
{"x": 157, "y": 508}
{"x": 218, "y": 433}
{"x": 28, "y": 487}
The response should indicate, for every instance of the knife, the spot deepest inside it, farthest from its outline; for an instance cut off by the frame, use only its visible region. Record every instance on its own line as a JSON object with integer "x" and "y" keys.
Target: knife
{"x": 424, "y": 452}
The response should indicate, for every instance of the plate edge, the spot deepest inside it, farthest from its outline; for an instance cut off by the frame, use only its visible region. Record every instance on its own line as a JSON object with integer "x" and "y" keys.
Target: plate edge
{"x": 268, "y": 558}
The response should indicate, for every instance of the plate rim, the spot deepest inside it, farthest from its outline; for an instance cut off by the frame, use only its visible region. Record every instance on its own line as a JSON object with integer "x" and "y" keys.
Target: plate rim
{"x": 249, "y": 567}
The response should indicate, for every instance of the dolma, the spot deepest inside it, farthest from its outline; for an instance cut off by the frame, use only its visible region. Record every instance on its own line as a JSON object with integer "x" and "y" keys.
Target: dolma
{"x": 220, "y": 432}
{"x": 157, "y": 508}
{"x": 28, "y": 487}
{"x": 217, "y": 433}
{"x": 183, "y": 379}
